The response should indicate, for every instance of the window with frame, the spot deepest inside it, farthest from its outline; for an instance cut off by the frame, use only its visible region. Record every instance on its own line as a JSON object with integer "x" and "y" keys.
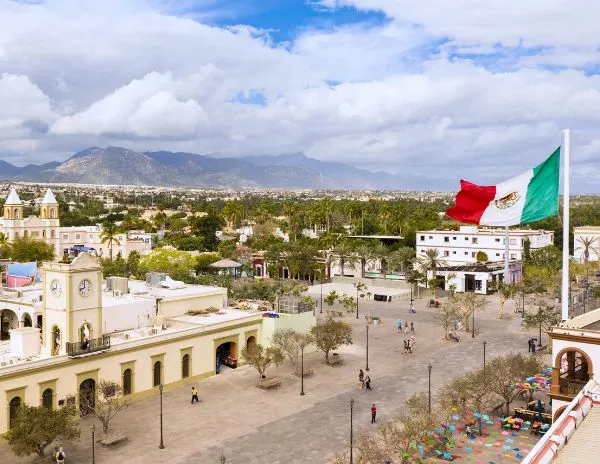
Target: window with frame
{"x": 474, "y": 240}
{"x": 513, "y": 241}
{"x": 47, "y": 398}
{"x": 497, "y": 239}
{"x": 127, "y": 377}
{"x": 446, "y": 253}
{"x": 156, "y": 374}
{"x": 185, "y": 366}
{"x": 446, "y": 239}
{"x": 422, "y": 238}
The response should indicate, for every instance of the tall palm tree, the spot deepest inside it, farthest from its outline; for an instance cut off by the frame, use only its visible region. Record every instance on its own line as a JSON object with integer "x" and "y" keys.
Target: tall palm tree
{"x": 586, "y": 244}
{"x": 344, "y": 255}
{"x": 382, "y": 253}
{"x": 109, "y": 236}
{"x": 402, "y": 259}
{"x": 365, "y": 254}
{"x": 431, "y": 261}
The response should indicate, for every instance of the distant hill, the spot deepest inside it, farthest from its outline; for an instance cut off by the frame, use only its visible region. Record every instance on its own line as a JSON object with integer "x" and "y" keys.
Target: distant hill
{"x": 121, "y": 166}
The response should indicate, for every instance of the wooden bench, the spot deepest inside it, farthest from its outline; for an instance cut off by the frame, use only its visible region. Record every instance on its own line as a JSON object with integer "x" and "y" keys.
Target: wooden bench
{"x": 267, "y": 384}
{"x": 335, "y": 359}
{"x": 113, "y": 439}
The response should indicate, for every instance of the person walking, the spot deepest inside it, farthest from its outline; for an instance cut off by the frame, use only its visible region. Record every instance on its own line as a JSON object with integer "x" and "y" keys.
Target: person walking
{"x": 368, "y": 383}
{"x": 411, "y": 344}
{"x": 60, "y": 456}
{"x": 194, "y": 395}
{"x": 406, "y": 327}
{"x": 529, "y": 343}
{"x": 361, "y": 379}
{"x": 373, "y": 414}
{"x": 405, "y": 346}
{"x": 412, "y": 327}
{"x": 399, "y": 325}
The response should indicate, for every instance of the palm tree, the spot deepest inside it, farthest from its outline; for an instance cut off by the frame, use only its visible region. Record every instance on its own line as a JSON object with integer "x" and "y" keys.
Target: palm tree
{"x": 345, "y": 255}
{"x": 586, "y": 244}
{"x": 365, "y": 254}
{"x": 4, "y": 245}
{"x": 431, "y": 261}
{"x": 382, "y": 253}
{"x": 402, "y": 259}
{"x": 109, "y": 236}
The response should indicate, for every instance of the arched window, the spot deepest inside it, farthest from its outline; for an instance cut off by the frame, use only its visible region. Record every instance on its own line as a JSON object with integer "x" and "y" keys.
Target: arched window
{"x": 16, "y": 214}
{"x": 127, "y": 382}
{"x": 43, "y": 213}
{"x": 44, "y": 233}
{"x": 25, "y": 234}
{"x": 47, "y": 398}
{"x": 157, "y": 374}
{"x": 185, "y": 366}
{"x": 52, "y": 213}
{"x": 13, "y": 408}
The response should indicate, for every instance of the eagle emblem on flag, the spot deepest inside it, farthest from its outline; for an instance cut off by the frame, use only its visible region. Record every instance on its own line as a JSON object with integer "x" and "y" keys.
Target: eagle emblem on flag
{"x": 508, "y": 200}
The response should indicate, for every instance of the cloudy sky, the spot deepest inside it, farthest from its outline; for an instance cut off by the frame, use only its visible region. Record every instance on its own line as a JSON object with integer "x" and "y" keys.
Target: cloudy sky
{"x": 468, "y": 88}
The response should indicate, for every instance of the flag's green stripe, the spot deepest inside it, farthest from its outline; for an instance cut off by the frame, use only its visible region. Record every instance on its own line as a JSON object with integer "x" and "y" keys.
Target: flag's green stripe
{"x": 542, "y": 192}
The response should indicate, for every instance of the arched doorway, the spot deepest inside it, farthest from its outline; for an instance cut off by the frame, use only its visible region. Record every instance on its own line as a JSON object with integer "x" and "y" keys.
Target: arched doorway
{"x": 87, "y": 397}
{"x": 127, "y": 382}
{"x": 8, "y": 321}
{"x": 558, "y": 412}
{"x": 226, "y": 355}
{"x": 573, "y": 368}
{"x": 13, "y": 409}
{"x": 47, "y": 398}
{"x": 85, "y": 333}
{"x": 157, "y": 374}
{"x": 185, "y": 366}
{"x": 258, "y": 270}
{"x": 27, "y": 320}
{"x": 251, "y": 342}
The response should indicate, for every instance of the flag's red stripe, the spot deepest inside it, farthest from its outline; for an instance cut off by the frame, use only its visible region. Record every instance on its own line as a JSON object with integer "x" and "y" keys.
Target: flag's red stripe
{"x": 471, "y": 202}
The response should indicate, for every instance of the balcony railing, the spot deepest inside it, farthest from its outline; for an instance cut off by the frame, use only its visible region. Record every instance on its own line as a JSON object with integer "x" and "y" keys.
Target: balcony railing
{"x": 88, "y": 346}
{"x": 570, "y": 386}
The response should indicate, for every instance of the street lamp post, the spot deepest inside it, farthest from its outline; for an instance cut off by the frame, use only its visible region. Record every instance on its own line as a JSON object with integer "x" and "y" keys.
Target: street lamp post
{"x": 160, "y": 389}
{"x": 351, "y": 443}
{"x": 93, "y": 430}
{"x": 429, "y": 367}
{"x": 367, "y": 368}
{"x": 321, "y": 296}
{"x": 411, "y": 294}
{"x": 302, "y": 374}
{"x": 484, "y": 345}
{"x": 357, "y": 288}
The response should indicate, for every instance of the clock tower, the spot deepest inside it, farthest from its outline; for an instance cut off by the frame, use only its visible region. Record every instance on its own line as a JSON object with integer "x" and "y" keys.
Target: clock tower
{"x": 71, "y": 303}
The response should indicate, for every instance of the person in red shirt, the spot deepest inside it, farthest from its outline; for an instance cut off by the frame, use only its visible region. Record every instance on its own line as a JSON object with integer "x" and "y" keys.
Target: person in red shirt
{"x": 373, "y": 413}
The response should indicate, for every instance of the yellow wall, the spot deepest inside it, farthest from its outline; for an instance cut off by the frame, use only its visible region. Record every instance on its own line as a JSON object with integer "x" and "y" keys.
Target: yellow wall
{"x": 108, "y": 365}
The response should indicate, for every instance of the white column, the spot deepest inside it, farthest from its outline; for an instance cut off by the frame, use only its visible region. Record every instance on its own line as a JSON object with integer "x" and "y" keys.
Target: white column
{"x": 565, "y": 148}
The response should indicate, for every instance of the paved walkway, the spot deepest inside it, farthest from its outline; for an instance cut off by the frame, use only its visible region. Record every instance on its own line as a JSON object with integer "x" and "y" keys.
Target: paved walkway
{"x": 251, "y": 426}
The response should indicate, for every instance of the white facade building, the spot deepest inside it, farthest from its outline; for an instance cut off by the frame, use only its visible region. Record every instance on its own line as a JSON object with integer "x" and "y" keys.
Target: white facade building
{"x": 461, "y": 247}
{"x": 582, "y": 234}
{"x": 47, "y": 227}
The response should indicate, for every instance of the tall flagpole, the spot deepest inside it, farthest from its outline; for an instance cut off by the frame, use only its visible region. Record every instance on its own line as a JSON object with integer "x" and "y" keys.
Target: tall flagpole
{"x": 565, "y": 149}
{"x": 506, "y": 250}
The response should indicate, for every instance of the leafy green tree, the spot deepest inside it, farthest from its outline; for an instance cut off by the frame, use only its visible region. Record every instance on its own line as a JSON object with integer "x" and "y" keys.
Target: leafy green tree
{"x": 415, "y": 277}
{"x": 402, "y": 259}
{"x": 382, "y": 253}
{"x": 431, "y": 261}
{"x": 105, "y": 402}
{"x": 109, "y": 236}
{"x": 25, "y": 249}
{"x": 4, "y": 246}
{"x": 345, "y": 255}
{"x": 291, "y": 342}
{"x": 177, "y": 264}
{"x": 260, "y": 358}
{"x": 331, "y": 298}
{"x": 482, "y": 257}
{"x": 546, "y": 317}
{"x": 465, "y": 304}
{"x": 364, "y": 254}
{"x": 330, "y": 335}
{"x": 206, "y": 228}
{"x": 504, "y": 372}
{"x": 35, "y": 428}
{"x": 447, "y": 314}
{"x": 204, "y": 260}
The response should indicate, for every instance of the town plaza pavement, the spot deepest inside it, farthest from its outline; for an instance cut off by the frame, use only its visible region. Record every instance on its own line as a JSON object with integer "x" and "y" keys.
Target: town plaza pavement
{"x": 251, "y": 426}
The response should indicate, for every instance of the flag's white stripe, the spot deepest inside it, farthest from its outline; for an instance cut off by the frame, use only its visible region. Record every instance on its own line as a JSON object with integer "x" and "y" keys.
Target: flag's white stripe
{"x": 497, "y": 215}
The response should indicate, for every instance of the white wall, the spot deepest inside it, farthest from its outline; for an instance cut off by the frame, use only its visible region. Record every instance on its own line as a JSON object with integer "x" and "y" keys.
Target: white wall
{"x": 129, "y": 314}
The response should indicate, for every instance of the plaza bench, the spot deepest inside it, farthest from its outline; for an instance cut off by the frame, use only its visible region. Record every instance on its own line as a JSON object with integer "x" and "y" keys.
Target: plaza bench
{"x": 335, "y": 359}
{"x": 113, "y": 439}
{"x": 267, "y": 384}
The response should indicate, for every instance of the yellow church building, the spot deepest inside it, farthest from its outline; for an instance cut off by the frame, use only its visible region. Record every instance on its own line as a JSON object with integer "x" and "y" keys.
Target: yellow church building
{"x": 140, "y": 334}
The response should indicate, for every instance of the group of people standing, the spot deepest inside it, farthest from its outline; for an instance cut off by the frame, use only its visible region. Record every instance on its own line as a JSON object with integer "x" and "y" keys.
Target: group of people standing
{"x": 407, "y": 326}
{"x": 409, "y": 345}
{"x": 365, "y": 382}
{"x": 531, "y": 343}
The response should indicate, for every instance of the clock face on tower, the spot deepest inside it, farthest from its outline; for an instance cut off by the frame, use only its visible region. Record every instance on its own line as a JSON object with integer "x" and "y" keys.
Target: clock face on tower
{"x": 55, "y": 288}
{"x": 85, "y": 287}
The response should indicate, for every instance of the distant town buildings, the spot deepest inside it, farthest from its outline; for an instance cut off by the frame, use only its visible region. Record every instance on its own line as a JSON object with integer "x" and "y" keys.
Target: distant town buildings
{"x": 457, "y": 247}
{"x": 47, "y": 227}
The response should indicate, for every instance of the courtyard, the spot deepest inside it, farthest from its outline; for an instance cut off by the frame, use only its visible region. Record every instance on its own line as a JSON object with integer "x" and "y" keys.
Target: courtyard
{"x": 248, "y": 425}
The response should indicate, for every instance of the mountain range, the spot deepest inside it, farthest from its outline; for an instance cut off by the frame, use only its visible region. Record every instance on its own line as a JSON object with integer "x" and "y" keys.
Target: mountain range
{"x": 121, "y": 166}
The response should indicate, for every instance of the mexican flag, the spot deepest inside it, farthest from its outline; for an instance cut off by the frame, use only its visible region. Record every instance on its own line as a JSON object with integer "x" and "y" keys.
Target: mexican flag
{"x": 528, "y": 197}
